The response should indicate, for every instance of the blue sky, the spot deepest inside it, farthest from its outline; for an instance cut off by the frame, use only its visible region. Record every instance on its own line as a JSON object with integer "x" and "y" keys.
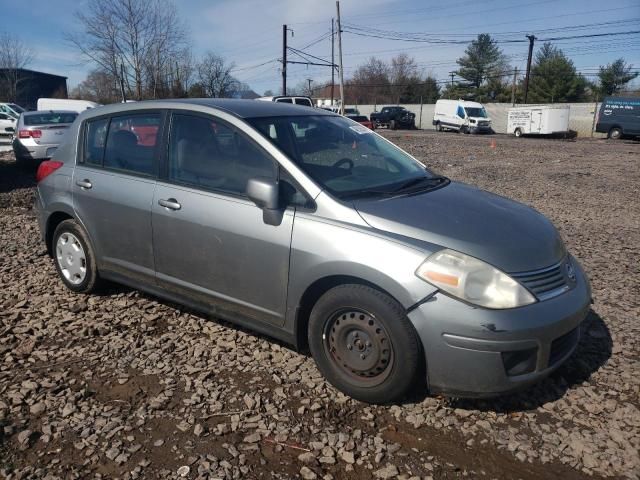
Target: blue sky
{"x": 249, "y": 32}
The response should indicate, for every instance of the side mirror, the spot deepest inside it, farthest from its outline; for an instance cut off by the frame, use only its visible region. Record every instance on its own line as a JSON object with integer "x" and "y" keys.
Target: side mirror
{"x": 265, "y": 193}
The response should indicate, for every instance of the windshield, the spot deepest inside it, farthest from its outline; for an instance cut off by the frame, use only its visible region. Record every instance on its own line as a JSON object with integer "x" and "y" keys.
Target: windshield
{"x": 475, "y": 112}
{"x": 15, "y": 107}
{"x": 49, "y": 118}
{"x": 344, "y": 157}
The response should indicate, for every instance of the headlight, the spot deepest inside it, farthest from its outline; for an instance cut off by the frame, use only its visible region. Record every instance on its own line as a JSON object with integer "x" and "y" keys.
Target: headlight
{"x": 473, "y": 280}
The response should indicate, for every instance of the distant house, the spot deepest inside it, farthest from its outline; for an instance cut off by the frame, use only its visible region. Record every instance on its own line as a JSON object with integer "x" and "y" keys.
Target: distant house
{"x": 322, "y": 96}
{"x": 24, "y": 87}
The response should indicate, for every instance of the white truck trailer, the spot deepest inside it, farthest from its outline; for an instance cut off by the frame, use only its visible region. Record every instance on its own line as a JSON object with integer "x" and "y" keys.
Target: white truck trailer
{"x": 538, "y": 120}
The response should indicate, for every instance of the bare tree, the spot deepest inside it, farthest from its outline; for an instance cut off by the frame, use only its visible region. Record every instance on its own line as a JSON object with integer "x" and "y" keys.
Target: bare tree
{"x": 214, "y": 74}
{"x": 14, "y": 55}
{"x": 99, "y": 86}
{"x": 136, "y": 38}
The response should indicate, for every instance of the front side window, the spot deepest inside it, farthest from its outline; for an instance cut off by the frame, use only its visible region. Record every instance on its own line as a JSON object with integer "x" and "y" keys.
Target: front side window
{"x": 210, "y": 154}
{"x": 344, "y": 157}
{"x": 95, "y": 139}
{"x": 304, "y": 101}
{"x": 284, "y": 100}
{"x": 460, "y": 112}
{"x": 131, "y": 142}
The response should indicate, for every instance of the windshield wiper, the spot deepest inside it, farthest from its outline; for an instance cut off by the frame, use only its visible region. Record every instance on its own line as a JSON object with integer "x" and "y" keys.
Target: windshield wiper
{"x": 434, "y": 180}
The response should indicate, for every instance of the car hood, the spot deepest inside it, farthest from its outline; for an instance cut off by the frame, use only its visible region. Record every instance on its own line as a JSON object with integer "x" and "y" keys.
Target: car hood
{"x": 509, "y": 235}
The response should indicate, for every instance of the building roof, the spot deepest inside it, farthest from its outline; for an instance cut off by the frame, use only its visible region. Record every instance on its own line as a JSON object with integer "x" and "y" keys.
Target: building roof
{"x": 26, "y": 70}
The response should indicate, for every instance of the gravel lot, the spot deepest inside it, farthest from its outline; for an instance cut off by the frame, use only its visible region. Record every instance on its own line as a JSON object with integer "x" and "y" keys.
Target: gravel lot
{"x": 125, "y": 385}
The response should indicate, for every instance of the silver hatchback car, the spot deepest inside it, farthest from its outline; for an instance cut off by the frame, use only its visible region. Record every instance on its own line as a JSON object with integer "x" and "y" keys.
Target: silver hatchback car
{"x": 308, "y": 227}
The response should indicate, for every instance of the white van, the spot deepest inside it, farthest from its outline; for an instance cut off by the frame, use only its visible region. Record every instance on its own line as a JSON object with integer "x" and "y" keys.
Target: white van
{"x": 65, "y": 104}
{"x": 538, "y": 120}
{"x": 461, "y": 116}
{"x": 296, "y": 100}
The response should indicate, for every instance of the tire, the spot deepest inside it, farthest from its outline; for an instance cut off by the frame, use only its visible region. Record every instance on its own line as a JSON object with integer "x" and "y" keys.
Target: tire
{"x": 464, "y": 129}
{"x": 393, "y": 125}
{"x": 364, "y": 344}
{"x": 615, "y": 133}
{"x": 74, "y": 258}
{"x": 518, "y": 133}
{"x": 438, "y": 127}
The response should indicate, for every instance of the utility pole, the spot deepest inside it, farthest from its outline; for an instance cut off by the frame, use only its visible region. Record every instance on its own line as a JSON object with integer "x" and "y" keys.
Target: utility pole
{"x": 333, "y": 62}
{"x": 310, "y": 91}
{"x": 453, "y": 74}
{"x": 532, "y": 39}
{"x": 513, "y": 87}
{"x": 284, "y": 59}
{"x": 124, "y": 96}
{"x": 340, "y": 59}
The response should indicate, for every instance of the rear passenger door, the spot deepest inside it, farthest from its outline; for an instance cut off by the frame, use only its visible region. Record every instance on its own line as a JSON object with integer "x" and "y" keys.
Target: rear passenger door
{"x": 113, "y": 188}
{"x": 210, "y": 241}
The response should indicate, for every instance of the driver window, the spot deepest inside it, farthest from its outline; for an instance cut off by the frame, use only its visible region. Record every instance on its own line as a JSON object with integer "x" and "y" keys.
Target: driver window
{"x": 460, "y": 111}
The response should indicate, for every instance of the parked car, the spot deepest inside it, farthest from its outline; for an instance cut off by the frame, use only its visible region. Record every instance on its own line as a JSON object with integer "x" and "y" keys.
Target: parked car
{"x": 11, "y": 109}
{"x": 538, "y": 120}
{"x": 619, "y": 117}
{"x": 461, "y": 116}
{"x": 65, "y": 104}
{"x": 38, "y": 134}
{"x": 362, "y": 120}
{"x": 393, "y": 118}
{"x": 7, "y": 124}
{"x": 303, "y": 226}
{"x": 297, "y": 100}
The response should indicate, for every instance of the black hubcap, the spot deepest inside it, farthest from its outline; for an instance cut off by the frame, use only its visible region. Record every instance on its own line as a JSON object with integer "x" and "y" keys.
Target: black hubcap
{"x": 359, "y": 346}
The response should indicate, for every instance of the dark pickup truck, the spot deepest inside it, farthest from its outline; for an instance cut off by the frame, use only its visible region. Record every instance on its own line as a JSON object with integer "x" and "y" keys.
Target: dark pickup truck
{"x": 394, "y": 118}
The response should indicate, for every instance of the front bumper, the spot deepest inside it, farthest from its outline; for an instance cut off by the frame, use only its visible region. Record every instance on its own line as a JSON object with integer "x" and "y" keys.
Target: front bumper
{"x": 481, "y": 129}
{"x": 476, "y": 352}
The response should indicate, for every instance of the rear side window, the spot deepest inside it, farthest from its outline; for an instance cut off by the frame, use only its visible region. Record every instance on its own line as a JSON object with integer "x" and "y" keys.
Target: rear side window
{"x": 131, "y": 142}
{"x": 303, "y": 101}
{"x": 95, "y": 140}
{"x": 212, "y": 155}
{"x": 284, "y": 100}
{"x": 49, "y": 118}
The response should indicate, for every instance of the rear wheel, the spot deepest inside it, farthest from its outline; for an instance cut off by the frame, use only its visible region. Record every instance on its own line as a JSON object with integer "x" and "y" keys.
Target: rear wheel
{"x": 364, "y": 344}
{"x": 74, "y": 258}
{"x": 393, "y": 125}
{"x": 438, "y": 127}
{"x": 615, "y": 133}
{"x": 518, "y": 132}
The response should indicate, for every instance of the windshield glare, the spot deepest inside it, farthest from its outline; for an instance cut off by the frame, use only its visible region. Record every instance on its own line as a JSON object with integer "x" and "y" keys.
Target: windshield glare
{"x": 475, "y": 112}
{"x": 343, "y": 156}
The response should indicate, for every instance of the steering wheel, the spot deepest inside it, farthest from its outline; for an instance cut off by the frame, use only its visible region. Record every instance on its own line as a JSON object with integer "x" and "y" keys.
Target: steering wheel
{"x": 344, "y": 161}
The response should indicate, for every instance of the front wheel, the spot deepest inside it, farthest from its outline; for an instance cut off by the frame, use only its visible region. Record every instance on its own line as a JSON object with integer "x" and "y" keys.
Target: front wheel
{"x": 364, "y": 344}
{"x": 74, "y": 258}
{"x": 615, "y": 133}
{"x": 393, "y": 125}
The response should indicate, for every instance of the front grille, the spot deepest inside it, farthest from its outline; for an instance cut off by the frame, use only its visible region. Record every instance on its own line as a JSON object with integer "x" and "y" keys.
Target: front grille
{"x": 546, "y": 282}
{"x": 563, "y": 345}
{"x": 483, "y": 124}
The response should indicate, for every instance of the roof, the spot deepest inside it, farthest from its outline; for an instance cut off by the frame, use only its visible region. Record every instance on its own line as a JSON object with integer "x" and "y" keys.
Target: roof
{"x": 237, "y": 107}
{"x": 26, "y": 70}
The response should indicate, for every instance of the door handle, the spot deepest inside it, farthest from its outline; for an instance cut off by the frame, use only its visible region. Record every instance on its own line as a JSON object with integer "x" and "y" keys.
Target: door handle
{"x": 84, "y": 184}
{"x": 170, "y": 203}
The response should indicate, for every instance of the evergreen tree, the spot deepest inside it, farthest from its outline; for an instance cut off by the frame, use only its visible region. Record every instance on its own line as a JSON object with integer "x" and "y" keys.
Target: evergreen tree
{"x": 615, "y": 76}
{"x": 482, "y": 59}
{"x": 554, "y": 78}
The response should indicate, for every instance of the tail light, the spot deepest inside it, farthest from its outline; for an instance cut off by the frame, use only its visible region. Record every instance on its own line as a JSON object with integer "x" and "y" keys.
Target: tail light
{"x": 46, "y": 168}
{"x": 29, "y": 133}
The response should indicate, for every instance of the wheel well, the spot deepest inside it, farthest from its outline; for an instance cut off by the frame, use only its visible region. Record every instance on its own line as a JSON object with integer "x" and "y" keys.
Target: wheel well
{"x": 53, "y": 221}
{"x": 312, "y": 294}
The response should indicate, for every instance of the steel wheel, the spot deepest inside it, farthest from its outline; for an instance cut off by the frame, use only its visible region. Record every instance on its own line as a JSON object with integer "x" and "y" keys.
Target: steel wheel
{"x": 359, "y": 346}
{"x": 71, "y": 258}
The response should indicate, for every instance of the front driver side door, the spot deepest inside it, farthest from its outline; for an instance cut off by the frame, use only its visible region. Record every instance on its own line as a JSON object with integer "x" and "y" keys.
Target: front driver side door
{"x": 210, "y": 241}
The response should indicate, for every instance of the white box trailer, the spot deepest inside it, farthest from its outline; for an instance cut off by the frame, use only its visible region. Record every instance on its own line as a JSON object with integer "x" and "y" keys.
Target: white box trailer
{"x": 538, "y": 120}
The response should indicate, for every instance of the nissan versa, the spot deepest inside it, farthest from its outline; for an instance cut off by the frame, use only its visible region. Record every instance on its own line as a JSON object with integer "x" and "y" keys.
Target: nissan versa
{"x": 311, "y": 228}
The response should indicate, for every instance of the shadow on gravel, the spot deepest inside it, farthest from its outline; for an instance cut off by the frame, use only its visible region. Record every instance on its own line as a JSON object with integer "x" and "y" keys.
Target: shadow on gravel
{"x": 593, "y": 350}
{"x": 14, "y": 177}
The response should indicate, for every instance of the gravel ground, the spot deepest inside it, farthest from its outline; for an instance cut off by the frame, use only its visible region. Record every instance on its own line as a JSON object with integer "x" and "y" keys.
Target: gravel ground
{"x": 123, "y": 385}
